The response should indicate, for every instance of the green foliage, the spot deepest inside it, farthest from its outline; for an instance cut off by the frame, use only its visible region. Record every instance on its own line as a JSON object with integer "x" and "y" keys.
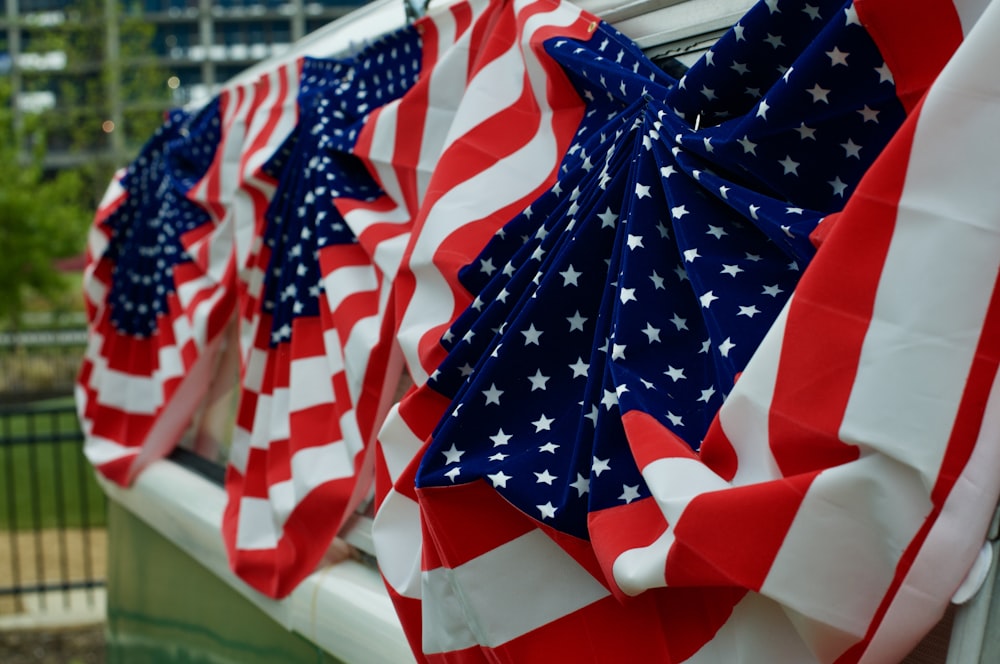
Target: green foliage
{"x": 41, "y": 219}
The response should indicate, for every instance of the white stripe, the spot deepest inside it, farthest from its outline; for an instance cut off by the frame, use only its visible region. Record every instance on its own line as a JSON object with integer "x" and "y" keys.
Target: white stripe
{"x": 309, "y": 382}
{"x": 346, "y": 281}
{"x": 642, "y": 568}
{"x": 398, "y": 543}
{"x": 255, "y": 528}
{"x": 674, "y": 481}
{"x": 253, "y": 378}
{"x": 100, "y": 451}
{"x": 744, "y": 415}
{"x": 314, "y": 466}
{"x": 840, "y": 553}
{"x": 506, "y": 602}
{"x": 950, "y": 548}
{"x": 445, "y": 92}
{"x": 141, "y": 395}
{"x": 404, "y": 445}
{"x": 759, "y": 630}
{"x": 357, "y": 352}
{"x": 506, "y": 180}
{"x": 969, "y": 12}
{"x": 937, "y": 279}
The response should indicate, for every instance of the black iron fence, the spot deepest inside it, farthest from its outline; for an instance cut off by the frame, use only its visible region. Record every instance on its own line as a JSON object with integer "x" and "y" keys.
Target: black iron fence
{"x": 52, "y": 511}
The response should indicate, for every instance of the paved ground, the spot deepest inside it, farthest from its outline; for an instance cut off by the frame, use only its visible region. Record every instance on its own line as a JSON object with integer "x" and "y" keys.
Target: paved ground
{"x": 64, "y": 646}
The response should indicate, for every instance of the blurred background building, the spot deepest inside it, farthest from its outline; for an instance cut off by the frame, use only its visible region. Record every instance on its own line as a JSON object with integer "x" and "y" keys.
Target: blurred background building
{"x": 90, "y": 79}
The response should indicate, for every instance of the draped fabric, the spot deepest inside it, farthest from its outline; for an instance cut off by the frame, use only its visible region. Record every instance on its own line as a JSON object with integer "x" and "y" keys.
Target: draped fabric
{"x": 701, "y": 367}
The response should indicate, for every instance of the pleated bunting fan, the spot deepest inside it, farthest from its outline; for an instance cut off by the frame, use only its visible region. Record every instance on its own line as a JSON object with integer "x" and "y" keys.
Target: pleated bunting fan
{"x": 614, "y": 316}
{"x": 312, "y": 312}
{"x": 156, "y": 313}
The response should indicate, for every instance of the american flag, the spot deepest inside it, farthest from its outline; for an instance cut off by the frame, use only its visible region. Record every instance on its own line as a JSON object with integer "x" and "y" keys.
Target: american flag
{"x": 609, "y": 327}
{"x": 154, "y": 309}
{"x": 474, "y": 142}
{"x": 313, "y": 310}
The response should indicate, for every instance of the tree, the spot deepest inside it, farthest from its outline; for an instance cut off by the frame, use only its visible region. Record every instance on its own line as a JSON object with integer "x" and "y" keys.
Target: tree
{"x": 41, "y": 219}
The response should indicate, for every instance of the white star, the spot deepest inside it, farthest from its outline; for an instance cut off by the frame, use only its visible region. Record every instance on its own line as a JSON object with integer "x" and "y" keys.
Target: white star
{"x": 667, "y": 171}
{"x": 492, "y": 395}
{"x": 708, "y": 92}
{"x": 576, "y": 321}
{"x": 762, "y": 109}
{"x": 794, "y": 210}
{"x": 726, "y": 346}
{"x": 774, "y": 40}
{"x": 790, "y": 165}
{"x": 674, "y": 373}
{"x": 579, "y": 368}
{"x": 627, "y": 295}
{"x": 852, "y": 149}
{"x": 538, "y": 381}
{"x": 837, "y": 57}
{"x": 739, "y": 67}
{"x": 772, "y": 7}
{"x": 838, "y": 185}
{"x": 716, "y": 231}
{"x": 466, "y": 370}
{"x": 499, "y": 456}
{"x": 749, "y": 147}
{"x": 752, "y": 257}
{"x": 706, "y": 394}
{"x": 544, "y": 477}
{"x": 642, "y": 191}
{"x": 592, "y": 415}
{"x": 453, "y": 473}
{"x": 869, "y": 114}
{"x": 731, "y": 270}
{"x": 819, "y": 94}
{"x": 678, "y": 212}
{"x": 618, "y": 352}
{"x": 548, "y": 510}
{"x": 500, "y": 438}
{"x": 691, "y": 254}
{"x": 851, "y": 16}
{"x": 812, "y": 11}
{"x": 486, "y": 265}
{"x": 707, "y": 299}
{"x": 806, "y": 132}
{"x": 499, "y": 479}
{"x": 570, "y": 276}
{"x": 543, "y": 423}
{"x": 609, "y": 400}
{"x": 749, "y": 312}
{"x": 676, "y": 420}
{"x": 679, "y": 323}
{"x": 738, "y": 32}
{"x": 582, "y": 485}
{"x": 884, "y": 74}
{"x": 600, "y": 465}
{"x": 629, "y": 493}
{"x": 549, "y": 447}
{"x": 652, "y": 333}
{"x": 773, "y": 291}
{"x": 453, "y": 455}
{"x": 531, "y": 335}
{"x": 681, "y": 272}
{"x": 634, "y": 241}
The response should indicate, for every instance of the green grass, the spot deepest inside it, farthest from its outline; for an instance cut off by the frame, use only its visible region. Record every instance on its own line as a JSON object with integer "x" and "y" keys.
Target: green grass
{"x": 45, "y": 481}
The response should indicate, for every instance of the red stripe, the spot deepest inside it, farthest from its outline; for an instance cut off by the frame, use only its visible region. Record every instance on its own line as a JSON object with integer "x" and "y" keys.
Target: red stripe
{"x": 916, "y": 42}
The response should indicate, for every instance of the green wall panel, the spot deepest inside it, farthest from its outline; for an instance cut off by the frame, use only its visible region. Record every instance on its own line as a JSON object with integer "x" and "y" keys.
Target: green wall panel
{"x": 163, "y": 606}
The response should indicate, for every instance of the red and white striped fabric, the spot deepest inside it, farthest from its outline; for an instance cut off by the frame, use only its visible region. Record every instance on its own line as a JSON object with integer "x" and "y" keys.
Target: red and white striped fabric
{"x": 700, "y": 573}
{"x": 136, "y": 393}
{"x": 846, "y": 486}
{"x": 474, "y": 144}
